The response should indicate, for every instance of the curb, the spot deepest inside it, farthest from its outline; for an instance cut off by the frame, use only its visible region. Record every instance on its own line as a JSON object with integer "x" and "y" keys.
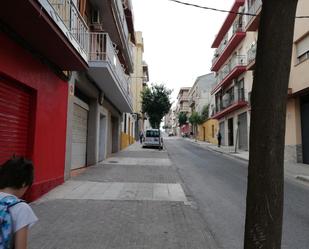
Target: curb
{"x": 303, "y": 178}
{"x": 220, "y": 151}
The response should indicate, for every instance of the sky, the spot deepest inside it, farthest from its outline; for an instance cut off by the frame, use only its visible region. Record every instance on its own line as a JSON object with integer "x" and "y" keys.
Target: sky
{"x": 178, "y": 38}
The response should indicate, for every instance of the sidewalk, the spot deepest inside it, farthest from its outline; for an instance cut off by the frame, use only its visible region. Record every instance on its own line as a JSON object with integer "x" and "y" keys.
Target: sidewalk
{"x": 134, "y": 199}
{"x": 296, "y": 170}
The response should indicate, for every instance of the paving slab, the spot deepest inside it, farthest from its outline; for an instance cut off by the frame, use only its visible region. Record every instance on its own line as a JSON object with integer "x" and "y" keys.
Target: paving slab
{"x": 89, "y": 190}
{"x": 144, "y": 154}
{"x": 129, "y": 173}
{"x": 92, "y": 224}
{"x": 138, "y": 161}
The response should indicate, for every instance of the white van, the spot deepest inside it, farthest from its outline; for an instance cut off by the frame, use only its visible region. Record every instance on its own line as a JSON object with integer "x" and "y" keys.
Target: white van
{"x": 152, "y": 138}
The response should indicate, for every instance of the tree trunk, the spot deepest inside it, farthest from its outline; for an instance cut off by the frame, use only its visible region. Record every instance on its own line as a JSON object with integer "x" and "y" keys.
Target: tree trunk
{"x": 264, "y": 212}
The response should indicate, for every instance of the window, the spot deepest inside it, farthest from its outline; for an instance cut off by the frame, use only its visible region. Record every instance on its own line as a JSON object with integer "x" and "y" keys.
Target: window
{"x": 241, "y": 89}
{"x": 152, "y": 133}
{"x": 302, "y": 49}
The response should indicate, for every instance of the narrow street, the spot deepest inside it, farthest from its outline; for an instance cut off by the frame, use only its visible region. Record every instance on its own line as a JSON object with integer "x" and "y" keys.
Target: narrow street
{"x": 185, "y": 196}
{"x": 217, "y": 183}
{"x": 135, "y": 199}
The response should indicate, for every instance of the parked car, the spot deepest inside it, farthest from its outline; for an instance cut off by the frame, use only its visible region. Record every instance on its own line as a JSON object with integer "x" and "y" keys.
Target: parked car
{"x": 153, "y": 138}
{"x": 170, "y": 134}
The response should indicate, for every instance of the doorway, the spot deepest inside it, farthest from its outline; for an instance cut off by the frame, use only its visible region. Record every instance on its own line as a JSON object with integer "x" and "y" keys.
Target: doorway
{"x": 304, "y": 110}
{"x": 230, "y": 127}
{"x": 102, "y": 142}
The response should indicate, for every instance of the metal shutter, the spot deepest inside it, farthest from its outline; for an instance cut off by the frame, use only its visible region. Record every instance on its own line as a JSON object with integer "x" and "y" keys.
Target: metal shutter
{"x": 14, "y": 120}
{"x": 79, "y": 135}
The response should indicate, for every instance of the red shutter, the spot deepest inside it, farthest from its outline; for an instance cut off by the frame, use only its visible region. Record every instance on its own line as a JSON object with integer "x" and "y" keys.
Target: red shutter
{"x": 14, "y": 120}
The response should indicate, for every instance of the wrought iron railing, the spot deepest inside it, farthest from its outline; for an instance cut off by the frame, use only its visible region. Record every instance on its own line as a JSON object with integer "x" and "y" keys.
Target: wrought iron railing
{"x": 236, "y": 27}
{"x": 101, "y": 49}
{"x": 231, "y": 98}
{"x": 253, "y": 9}
{"x": 251, "y": 53}
{"x": 72, "y": 19}
{"x": 236, "y": 60}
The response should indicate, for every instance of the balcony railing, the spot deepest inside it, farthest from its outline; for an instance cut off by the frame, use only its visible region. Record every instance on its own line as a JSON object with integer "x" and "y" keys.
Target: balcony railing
{"x": 72, "y": 19}
{"x": 101, "y": 50}
{"x": 251, "y": 53}
{"x": 236, "y": 27}
{"x": 122, "y": 17}
{"x": 253, "y": 9}
{"x": 183, "y": 99}
{"x": 119, "y": 6}
{"x": 229, "y": 100}
{"x": 237, "y": 60}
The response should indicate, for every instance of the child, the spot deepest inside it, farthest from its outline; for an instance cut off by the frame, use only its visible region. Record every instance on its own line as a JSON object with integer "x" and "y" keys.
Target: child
{"x": 16, "y": 176}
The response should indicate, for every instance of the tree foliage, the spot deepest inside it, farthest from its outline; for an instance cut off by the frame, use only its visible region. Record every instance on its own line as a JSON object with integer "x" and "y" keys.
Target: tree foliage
{"x": 182, "y": 118}
{"x": 205, "y": 113}
{"x": 156, "y": 103}
{"x": 196, "y": 118}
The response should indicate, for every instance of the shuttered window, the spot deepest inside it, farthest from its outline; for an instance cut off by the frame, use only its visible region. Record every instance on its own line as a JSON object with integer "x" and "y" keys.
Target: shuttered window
{"x": 14, "y": 120}
{"x": 302, "y": 49}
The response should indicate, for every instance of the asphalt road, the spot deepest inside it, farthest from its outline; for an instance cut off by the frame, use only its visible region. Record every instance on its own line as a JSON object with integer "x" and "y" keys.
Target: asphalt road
{"x": 217, "y": 184}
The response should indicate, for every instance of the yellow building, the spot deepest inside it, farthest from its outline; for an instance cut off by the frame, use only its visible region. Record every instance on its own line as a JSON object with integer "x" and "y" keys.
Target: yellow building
{"x": 207, "y": 131}
{"x": 133, "y": 123}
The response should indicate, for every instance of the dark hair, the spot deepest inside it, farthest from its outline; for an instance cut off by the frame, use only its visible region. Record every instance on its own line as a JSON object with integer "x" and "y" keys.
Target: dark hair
{"x": 16, "y": 173}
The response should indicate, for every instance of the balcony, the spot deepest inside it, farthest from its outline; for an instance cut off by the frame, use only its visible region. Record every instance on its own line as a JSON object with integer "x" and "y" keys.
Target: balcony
{"x": 227, "y": 23}
{"x": 106, "y": 70}
{"x": 183, "y": 99}
{"x": 116, "y": 26}
{"x": 227, "y": 46}
{"x": 60, "y": 37}
{"x": 232, "y": 70}
{"x": 230, "y": 105}
{"x": 251, "y": 57}
{"x": 252, "y": 22}
{"x": 191, "y": 102}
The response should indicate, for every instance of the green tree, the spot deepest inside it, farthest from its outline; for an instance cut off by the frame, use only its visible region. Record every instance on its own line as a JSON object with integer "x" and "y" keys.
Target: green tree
{"x": 205, "y": 113}
{"x": 156, "y": 103}
{"x": 195, "y": 119}
{"x": 182, "y": 118}
{"x": 264, "y": 212}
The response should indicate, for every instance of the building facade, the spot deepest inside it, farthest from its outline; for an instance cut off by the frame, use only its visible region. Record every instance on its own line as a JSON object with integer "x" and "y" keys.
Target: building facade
{"x": 234, "y": 76}
{"x": 297, "y": 118}
{"x": 200, "y": 93}
{"x": 244, "y": 41}
{"x": 200, "y": 98}
{"x": 182, "y": 106}
{"x": 101, "y": 94}
{"x": 68, "y": 65}
{"x": 37, "y": 52}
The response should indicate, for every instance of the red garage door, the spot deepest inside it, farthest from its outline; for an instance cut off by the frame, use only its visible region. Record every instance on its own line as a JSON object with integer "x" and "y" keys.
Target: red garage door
{"x": 14, "y": 120}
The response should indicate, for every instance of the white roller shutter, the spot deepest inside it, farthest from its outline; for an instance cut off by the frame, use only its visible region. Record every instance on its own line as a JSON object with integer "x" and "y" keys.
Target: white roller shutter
{"x": 79, "y": 134}
{"x": 302, "y": 46}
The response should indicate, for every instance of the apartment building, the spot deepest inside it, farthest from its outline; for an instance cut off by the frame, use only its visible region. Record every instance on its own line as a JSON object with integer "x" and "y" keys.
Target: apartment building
{"x": 68, "y": 64}
{"x": 200, "y": 93}
{"x": 139, "y": 79}
{"x": 199, "y": 98}
{"x": 38, "y": 51}
{"x": 297, "y": 136}
{"x": 182, "y": 106}
{"x": 101, "y": 94}
{"x": 297, "y": 119}
{"x": 234, "y": 76}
